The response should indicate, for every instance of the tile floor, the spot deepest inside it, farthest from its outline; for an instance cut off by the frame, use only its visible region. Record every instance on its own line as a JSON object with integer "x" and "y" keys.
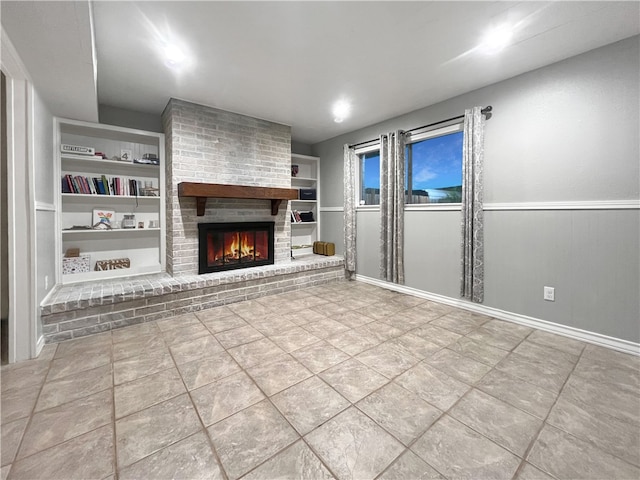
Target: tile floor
{"x": 344, "y": 381}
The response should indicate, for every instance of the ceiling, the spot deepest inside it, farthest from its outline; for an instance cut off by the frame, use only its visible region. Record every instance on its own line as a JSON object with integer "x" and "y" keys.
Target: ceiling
{"x": 289, "y": 62}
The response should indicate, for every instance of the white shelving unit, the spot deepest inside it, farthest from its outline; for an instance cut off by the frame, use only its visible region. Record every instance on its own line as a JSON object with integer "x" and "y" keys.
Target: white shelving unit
{"x": 144, "y": 247}
{"x": 303, "y": 234}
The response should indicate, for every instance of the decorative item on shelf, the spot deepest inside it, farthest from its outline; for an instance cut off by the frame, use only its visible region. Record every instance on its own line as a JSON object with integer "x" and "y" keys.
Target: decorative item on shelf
{"x": 73, "y": 262}
{"x": 153, "y": 223}
{"x": 126, "y": 155}
{"x": 324, "y": 248}
{"x": 77, "y": 149}
{"x": 294, "y": 170}
{"x": 140, "y": 224}
{"x": 148, "y": 159}
{"x": 79, "y": 227}
{"x": 129, "y": 221}
{"x": 306, "y": 217}
{"x": 295, "y": 216}
{"x": 114, "y": 264}
{"x": 102, "y": 219}
{"x": 149, "y": 190}
{"x": 307, "y": 194}
{"x": 100, "y": 155}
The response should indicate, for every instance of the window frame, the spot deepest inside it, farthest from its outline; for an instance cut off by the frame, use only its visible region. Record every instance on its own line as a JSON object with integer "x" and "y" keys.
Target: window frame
{"x": 415, "y": 138}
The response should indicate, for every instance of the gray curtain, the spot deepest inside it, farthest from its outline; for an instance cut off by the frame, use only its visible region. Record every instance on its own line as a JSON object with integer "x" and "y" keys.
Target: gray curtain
{"x": 350, "y": 166}
{"x": 392, "y": 207}
{"x": 472, "y": 285}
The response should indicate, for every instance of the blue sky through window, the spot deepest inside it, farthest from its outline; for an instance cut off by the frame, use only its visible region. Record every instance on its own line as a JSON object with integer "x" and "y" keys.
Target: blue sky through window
{"x": 437, "y": 163}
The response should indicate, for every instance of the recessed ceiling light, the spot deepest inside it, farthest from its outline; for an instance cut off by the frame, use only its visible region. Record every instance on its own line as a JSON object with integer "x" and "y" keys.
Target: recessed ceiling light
{"x": 341, "y": 110}
{"x": 174, "y": 56}
{"x": 497, "y": 39}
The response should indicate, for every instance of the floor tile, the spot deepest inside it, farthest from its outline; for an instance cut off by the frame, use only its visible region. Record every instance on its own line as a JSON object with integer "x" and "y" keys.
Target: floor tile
{"x": 324, "y": 328}
{"x": 526, "y": 396}
{"x": 73, "y": 364}
{"x": 380, "y": 331}
{"x": 75, "y": 386}
{"x": 498, "y": 334}
{"x": 147, "y": 431}
{"x": 23, "y": 377}
{"x": 416, "y": 346}
{"x": 458, "y": 452}
{"x": 400, "y": 412}
{"x": 408, "y": 300}
{"x": 131, "y": 368}
{"x": 294, "y": 339}
{"x": 198, "y": 348}
{"x": 248, "y": 438}
{"x": 353, "y": 319}
{"x": 225, "y": 397}
{"x": 581, "y": 413}
{"x": 388, "y": 360}
{"x": 547, "y": 357}
{"x": 137, "y": 346}
{"x": 564, "y": 344}
{"x": 352, "y": 342}
{"x": 496, "y": 420}
{"x": 610, "y": 368}
{"x": 564, "y": 456}
{"x": 275, "y": 377}
{"x": 432, "y": 385}
{"x": 122, "y": 334}
{"x": 305, "y": 316}
{"x": 238, "y": 336}
{"x": 250, "y": 309}
{"x": 4, "y": 472}
{"x": 529, "y": 472}
{"x": 531, "y": 371}
{"x": 146, "y": 391}
{"x": 460, "y": 321}
{"x": 437, "y": 335}
{"x": 294, "y": 463}
{"x": 86, "y": 456}
{"x": 381, "y": 310}
{"x": 214, "y": 313}
{"x": 58, "y": 424}
{"x": 410, "y": 467}
{"x": 458, "y": 366}
{"x": 272, "y": 325}
{"x": 480, "y": 352}
{"x": 320, "y": 356}
{"x": 332, "y": 308}
{"x": 353, "y": 380}
{"x": 179, "y": 322}
{"x": 11, "y": 435}
{"x": 259, "y": 352}
{"x": 353, "y": 446}
{"x": 191, "y": 458}
{"x": 222, "y": 324}
{"x": 18, "y": 403}
{"x": 185, "y": 334}
{"x": 207, "y": 370}
{"x": 309, "y": 403}
{"x": 91, "y": 345}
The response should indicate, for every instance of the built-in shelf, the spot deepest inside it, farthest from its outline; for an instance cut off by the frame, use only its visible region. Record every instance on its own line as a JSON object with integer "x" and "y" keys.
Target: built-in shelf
{"x": 126, "y": 231}
{"x": 302, "y": 223}
{"x": 202, "y": 191}
{"x": 110, "y": 197}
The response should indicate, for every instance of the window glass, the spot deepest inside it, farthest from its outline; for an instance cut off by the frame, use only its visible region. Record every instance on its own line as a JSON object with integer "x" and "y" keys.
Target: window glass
{"x": 370, "y": 178}
{"x": 434, "y": 170}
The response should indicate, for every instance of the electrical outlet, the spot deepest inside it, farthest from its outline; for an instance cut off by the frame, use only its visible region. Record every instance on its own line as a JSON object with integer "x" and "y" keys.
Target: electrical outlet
{"x": 550, "y": 294}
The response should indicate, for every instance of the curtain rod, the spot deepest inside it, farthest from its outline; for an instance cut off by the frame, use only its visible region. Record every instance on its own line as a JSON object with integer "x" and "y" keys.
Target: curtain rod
{"x": 484, "y": 111}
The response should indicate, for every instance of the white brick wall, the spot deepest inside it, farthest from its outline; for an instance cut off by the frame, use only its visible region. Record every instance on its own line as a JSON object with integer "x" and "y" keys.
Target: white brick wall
{"x": 204, "y": 144}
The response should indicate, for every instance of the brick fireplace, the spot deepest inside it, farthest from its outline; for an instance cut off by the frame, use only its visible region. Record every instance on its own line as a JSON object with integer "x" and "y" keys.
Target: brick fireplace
{"x": 208, "y": 145}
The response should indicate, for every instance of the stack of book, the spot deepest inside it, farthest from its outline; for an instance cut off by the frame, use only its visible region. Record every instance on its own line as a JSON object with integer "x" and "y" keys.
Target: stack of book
{"x": 102, "y": 185}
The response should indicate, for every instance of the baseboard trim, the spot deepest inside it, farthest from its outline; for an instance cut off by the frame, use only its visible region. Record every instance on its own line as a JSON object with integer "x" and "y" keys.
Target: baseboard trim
{"x": 613, "y": 343}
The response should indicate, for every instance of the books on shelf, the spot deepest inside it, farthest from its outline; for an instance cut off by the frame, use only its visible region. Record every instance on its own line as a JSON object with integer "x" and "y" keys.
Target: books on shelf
{"x": 103, "y": 185}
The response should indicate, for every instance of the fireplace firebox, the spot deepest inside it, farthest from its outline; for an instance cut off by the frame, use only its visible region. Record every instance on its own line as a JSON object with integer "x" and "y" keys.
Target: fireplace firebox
{"x": 228, "y": 246}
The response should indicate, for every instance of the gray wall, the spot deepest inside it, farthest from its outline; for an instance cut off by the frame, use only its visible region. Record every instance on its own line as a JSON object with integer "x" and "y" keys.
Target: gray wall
{"x": 568, "y": 132}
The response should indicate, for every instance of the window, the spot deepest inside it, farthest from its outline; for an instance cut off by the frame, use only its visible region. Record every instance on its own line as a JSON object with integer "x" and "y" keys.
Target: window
{"x": 433, "y": 169}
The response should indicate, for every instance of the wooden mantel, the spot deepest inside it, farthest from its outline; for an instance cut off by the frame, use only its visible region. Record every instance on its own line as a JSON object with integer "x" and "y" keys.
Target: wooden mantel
{"x": 202, "y": 191}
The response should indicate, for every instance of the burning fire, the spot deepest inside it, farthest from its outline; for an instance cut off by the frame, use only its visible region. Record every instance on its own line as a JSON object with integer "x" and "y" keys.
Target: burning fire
{"x": 240, "y": 248}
